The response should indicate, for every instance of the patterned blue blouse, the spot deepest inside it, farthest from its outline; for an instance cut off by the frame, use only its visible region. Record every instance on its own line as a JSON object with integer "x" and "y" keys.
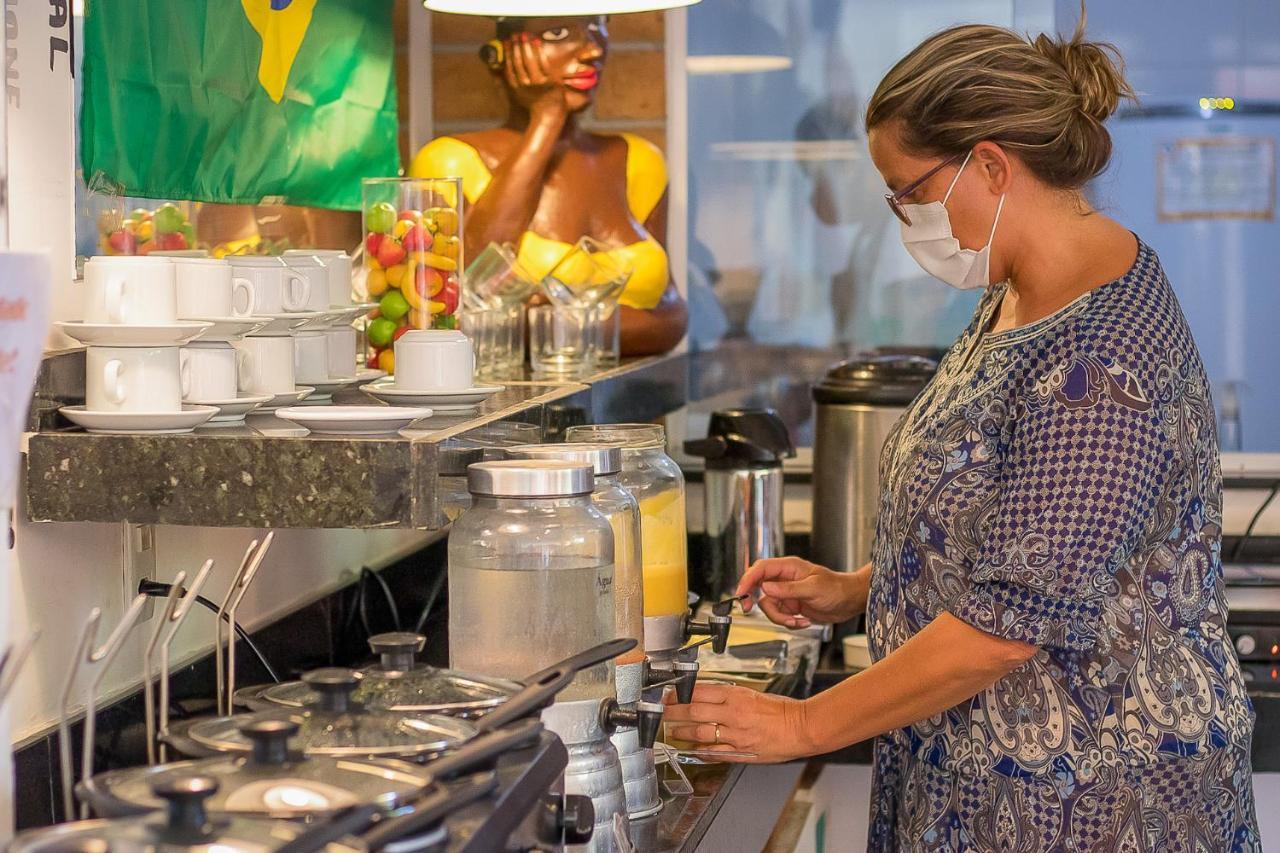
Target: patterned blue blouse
{"x": 1059, "y": 484}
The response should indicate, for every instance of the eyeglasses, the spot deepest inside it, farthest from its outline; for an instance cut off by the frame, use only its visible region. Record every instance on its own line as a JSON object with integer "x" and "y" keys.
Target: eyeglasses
{"x": 895, "y": 199}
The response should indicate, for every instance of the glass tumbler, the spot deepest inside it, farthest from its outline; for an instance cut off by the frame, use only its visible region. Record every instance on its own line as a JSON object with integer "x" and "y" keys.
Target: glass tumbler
{"x": 561, "y": 340}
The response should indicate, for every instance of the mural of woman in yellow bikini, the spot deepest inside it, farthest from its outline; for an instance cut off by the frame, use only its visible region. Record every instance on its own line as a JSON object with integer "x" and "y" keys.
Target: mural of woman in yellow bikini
{"x": 541, "y": 182}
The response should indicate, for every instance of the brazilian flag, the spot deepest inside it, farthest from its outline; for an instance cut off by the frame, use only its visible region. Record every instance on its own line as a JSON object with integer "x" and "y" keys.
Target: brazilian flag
{"x": 235, "y": 101}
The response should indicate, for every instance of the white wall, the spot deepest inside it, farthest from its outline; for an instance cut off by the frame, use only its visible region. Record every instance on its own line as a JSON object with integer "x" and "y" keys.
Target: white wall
{"x": 65, "y": 570}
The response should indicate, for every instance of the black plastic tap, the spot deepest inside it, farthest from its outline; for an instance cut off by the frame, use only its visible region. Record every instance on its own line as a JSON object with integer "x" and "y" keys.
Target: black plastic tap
{"x": 716, "y": 627}
{"x": 645, "y": 718}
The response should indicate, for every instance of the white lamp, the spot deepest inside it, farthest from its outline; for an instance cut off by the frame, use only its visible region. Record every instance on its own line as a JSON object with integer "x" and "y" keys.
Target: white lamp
{"x": 551, "y": 8}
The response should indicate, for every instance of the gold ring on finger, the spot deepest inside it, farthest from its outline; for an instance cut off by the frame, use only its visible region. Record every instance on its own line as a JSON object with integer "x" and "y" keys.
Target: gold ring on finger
{"x": 717, "y": 732}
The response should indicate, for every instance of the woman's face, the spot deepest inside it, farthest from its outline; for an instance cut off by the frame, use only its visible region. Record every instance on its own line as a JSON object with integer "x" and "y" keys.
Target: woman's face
{"x": 972, "y": 205}
{"x": 572, "y": 51}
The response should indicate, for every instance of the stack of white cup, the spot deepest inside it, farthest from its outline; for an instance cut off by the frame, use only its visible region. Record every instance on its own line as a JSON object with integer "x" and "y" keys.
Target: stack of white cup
{"x": 131, "y": 291}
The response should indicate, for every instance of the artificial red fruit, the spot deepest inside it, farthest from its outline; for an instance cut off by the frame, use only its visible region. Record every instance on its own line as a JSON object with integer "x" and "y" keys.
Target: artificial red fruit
{"x": 373, "y": 242}
{"x": 427, "y": 282}
{"x": 123, "y": 242}
{"x": 171, "y": 242}
{"x": 390, "y": 253}
{"x": 400, "y": 332}
{"x": 450, "y": 299}
{"x": 372, "y": 363}
{"x": 417, "y": 239}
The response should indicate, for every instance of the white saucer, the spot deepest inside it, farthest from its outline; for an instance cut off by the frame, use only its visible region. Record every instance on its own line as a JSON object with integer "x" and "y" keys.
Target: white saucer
{"x": 283, "y": 324}
{"x": 365, "y": 375}
{"x": 441, "y": 401}
{"x": 127, "y": 423}
{"x": 119, "y": 335}
{"x": 289, "y": 398}
{"x": 345, "y": 315}
{"x": 327, "y": 387}
{"x": 232, "y": 411}
{"x": 353, "y": 420}
{"x": 232, "y": 328}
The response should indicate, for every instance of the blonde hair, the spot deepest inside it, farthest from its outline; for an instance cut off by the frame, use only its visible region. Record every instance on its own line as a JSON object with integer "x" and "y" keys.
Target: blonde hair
{"x": 1043, "y": 99}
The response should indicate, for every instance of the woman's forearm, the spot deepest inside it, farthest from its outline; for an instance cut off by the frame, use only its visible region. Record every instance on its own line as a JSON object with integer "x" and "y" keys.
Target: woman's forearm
{"x": 508, "y": 205}
{"x": 941, "y": 666}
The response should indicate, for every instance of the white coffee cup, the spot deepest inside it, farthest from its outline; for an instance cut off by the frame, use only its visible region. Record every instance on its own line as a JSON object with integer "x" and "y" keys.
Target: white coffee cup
{"x": 434, "y": 360}
{"x": 206, "y": 288}
{"x": 338, "y": 264}
{"x": 342, "y": 351}
{"x": 130, "y": 291}
{"x": 133, "y": 379}
{"x": 210, "y": 371}
{"x": 310, "y": 357}
{"x": 265, "y": 364}
{"x": 318, "y": 277}
{"x": 277, "y": 288}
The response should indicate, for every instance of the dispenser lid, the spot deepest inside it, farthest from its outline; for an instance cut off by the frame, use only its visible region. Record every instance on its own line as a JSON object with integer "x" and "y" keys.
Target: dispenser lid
{"x": 530, "y": 478}
{"x": 878, "y": 380}
{"x": 294, "y": 786}
{"x": 604, "y": 457}
{"x": 343, "y": 728}
{"x": 186, "y": 826}
{"x": 739, "y": 438}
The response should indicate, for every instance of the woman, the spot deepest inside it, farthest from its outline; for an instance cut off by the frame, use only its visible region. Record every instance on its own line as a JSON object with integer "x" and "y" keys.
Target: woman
{"x": 1045, "y": 602}
{"x": 541, "y": 182}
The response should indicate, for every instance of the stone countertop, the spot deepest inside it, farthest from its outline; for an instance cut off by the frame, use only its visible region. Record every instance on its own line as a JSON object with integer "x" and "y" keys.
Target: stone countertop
{"x": 270, "y": 473}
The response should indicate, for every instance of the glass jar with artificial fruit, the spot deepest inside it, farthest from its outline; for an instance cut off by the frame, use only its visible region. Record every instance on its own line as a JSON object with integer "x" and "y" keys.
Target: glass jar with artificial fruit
{"x": 412, "y": 259}
{"x": 166, "y": 228}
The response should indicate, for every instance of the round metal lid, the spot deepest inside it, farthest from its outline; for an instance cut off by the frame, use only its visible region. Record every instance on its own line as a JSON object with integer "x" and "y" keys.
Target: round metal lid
{"x": 271, "y": 782}
{"x": 605, "y": 457}
{"x": 335, "y": 725}
{"x": 892, "y": 380}
{"x": 186, "y": 826}
{"x": 397, "y": 682}
{"x": 530, "y": 478}
{"x": 630, "y": 436}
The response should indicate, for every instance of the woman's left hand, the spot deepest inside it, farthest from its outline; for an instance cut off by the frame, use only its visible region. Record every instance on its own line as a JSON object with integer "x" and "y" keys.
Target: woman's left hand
{"x": 729, "y": 719}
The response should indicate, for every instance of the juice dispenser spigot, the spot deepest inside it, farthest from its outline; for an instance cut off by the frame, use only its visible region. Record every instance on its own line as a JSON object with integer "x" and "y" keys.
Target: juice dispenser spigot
{"x": 716, "y": 627}
{"x": 645, "y": 718}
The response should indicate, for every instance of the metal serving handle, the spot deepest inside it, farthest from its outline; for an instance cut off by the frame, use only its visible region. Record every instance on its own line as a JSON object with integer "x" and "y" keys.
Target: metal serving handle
{"x": 171, "y": 623}
{"x": 542, "y": 687}
{"x": 226, "y": 673}
{"x": 148, "y": 672}
{"x": 440, "y": 801}
{"x": 86, "y": 655}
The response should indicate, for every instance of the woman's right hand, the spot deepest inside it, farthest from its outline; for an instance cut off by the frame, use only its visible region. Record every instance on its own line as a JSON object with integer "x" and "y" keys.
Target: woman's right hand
{"x": 794, "y": 593}
{"x": 525, "y": 70}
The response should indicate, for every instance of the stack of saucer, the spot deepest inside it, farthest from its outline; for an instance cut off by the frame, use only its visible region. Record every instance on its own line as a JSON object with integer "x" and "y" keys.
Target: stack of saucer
{"x": 434, "y": 368}
{"x": 134, "y": 381}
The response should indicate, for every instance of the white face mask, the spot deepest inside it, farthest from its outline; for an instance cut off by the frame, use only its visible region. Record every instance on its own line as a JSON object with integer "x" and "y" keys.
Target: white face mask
{"x": 930, "y": 240}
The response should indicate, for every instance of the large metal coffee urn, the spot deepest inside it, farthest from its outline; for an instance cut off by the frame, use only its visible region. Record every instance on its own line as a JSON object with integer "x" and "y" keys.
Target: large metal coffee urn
{"x": 858, "y": 403}
{"x": 743, "y": 491}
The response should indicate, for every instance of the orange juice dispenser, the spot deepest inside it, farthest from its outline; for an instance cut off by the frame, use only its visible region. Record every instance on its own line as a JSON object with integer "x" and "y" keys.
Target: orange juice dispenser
{"x": 657, "y": 484}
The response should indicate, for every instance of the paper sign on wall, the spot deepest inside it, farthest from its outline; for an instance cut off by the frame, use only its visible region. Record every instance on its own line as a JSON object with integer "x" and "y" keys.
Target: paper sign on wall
{"x": 1218, "y": 178}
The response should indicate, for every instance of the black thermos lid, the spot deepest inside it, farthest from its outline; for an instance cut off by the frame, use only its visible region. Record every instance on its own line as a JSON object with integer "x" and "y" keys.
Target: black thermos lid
{"x": 743, "y": 438}
{"x": 876, "y": 380}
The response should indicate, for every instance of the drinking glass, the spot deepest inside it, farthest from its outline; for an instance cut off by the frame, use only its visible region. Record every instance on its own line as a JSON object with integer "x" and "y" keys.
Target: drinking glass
{"x": 606, "y": 324}
{"x": 560, "y": 340}
{"x": 495, "y": 277}
{"x": 589, "y": 274}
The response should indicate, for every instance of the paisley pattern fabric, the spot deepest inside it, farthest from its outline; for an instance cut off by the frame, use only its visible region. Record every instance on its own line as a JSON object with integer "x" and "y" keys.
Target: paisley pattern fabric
{"x": 1059, "y": 484}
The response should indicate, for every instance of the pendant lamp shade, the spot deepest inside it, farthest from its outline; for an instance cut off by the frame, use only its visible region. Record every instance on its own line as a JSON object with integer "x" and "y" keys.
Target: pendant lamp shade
{"x": 556, "y": 8}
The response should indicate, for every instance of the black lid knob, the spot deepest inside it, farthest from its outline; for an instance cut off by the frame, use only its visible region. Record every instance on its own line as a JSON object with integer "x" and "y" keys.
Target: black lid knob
{"x": 185, "y": 797}
{"x": 334, "y": 687}
{"x": 743, "y": 437}
{"x": 578, "y": 819}
{"x": 270, "y": 738}
{"x": 397, "y": 649}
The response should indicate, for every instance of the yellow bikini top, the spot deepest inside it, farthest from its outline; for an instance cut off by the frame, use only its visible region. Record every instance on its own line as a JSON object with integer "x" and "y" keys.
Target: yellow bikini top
{"x": 646, "y": 184}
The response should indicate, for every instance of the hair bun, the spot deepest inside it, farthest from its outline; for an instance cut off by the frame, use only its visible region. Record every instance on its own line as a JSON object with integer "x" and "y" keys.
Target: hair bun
{"x": 1095, "y": 70}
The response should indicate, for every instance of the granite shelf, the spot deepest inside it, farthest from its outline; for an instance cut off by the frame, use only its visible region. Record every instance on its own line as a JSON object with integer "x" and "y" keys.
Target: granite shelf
{"x": 270, "y": 473}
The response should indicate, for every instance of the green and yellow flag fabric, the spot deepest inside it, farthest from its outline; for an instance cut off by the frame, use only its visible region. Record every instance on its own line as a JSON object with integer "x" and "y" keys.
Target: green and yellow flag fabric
{"x": 235, "y": 101}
